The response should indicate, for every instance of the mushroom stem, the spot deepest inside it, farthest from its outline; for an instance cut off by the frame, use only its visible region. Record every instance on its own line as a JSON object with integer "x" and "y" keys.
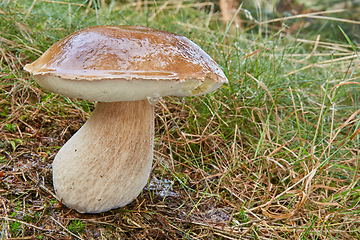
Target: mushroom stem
{"x": 107, "y": 163}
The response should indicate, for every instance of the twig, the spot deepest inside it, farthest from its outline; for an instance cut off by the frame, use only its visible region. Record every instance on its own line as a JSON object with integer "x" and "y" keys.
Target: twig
{"x": 76, "y": 236}
{"x": 310, "y": 15}
{"x": 25, "y": 223}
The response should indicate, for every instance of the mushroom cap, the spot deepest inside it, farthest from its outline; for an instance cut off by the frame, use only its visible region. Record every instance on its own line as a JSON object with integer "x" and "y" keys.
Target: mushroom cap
{"x": 126, "y": 63}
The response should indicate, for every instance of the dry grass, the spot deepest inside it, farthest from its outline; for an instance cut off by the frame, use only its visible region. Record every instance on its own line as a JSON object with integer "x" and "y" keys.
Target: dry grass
{"x": 272, "y": 155}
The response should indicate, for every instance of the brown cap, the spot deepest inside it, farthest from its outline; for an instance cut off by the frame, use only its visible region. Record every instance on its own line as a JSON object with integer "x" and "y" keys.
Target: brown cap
{"x": 126, "y": 63}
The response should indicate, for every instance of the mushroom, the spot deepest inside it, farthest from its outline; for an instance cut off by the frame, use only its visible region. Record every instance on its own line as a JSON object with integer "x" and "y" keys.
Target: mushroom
{"x": 107, "y": 163}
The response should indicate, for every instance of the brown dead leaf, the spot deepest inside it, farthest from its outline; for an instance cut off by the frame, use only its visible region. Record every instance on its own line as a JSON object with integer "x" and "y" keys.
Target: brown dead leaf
{"x": 228, "y": 9}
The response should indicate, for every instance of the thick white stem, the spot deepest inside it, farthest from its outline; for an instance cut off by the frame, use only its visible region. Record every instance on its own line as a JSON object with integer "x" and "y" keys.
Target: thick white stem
{"x": 107, "y": 163}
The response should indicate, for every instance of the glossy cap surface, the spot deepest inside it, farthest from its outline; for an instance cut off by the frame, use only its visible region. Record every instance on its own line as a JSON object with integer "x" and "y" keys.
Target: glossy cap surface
{"x": 117, "y": 55}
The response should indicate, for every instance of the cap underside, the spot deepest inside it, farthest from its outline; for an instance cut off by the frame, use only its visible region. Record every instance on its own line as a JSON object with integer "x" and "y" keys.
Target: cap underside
{"x": 112, "y": 90}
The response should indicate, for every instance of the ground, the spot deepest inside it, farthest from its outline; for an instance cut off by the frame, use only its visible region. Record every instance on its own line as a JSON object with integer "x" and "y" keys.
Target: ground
{"x": 274, "y": 154}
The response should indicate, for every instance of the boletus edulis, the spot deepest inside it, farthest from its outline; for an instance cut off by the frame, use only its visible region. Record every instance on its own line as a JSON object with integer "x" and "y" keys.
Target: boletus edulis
{"x": 107, "y": 163}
